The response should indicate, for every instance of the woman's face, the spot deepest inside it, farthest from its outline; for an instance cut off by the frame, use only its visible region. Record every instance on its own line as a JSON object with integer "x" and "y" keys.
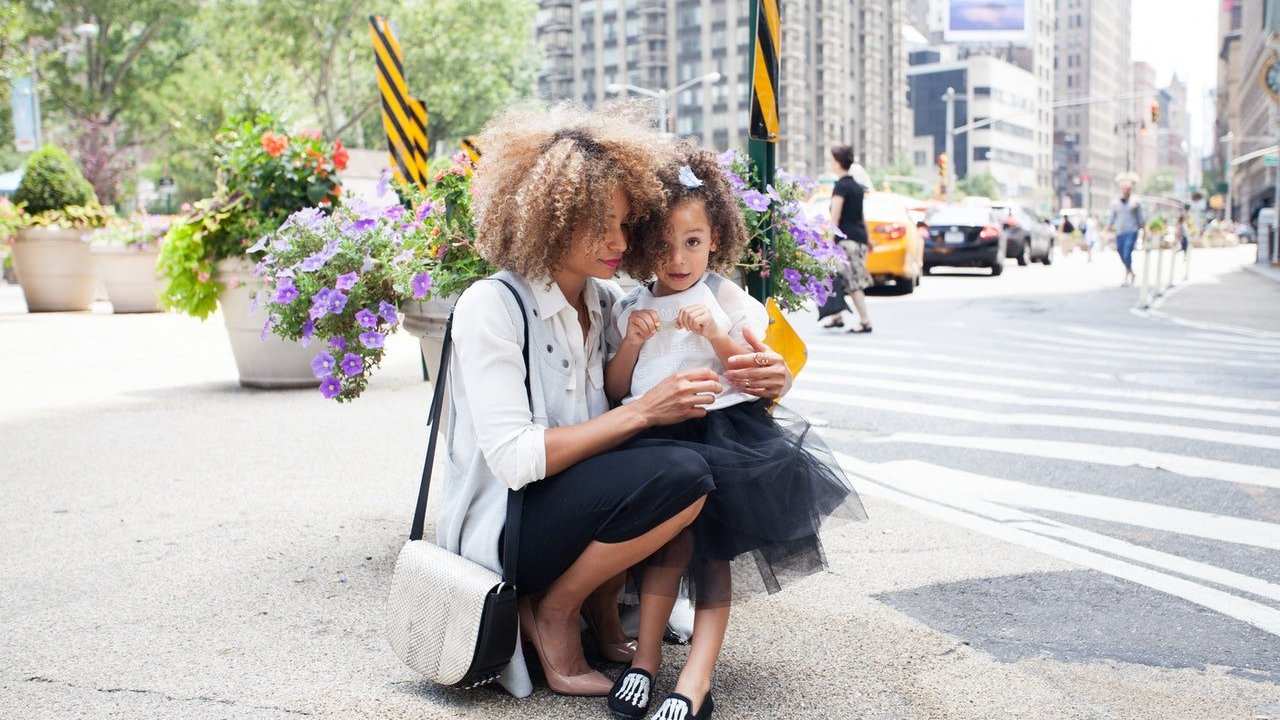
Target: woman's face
{"x": 599, "y": 257}
{"x": 689, "y": 247}
{"x": 835, "y": 166}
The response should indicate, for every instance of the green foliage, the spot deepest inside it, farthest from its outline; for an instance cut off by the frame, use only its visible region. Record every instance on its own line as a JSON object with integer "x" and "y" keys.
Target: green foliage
{"x": 1159, "y": 184}
{"x": 10, "y": 219}
{"x": 980, "y": 185}
{"x": 137, "y": 232}
{"x": 186, "y": 263}
{"x": 80, "y": 217}
{"x": 1156, "y": 226}
{"x": 456, "y": 263}
{"x": 52, "y": 182}
{"x": 894, "y": 175}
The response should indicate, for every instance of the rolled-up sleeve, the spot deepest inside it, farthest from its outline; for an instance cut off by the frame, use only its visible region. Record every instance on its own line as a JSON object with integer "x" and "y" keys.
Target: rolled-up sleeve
{"x": 743, "y": 311}
{"x": 490, "y": 367}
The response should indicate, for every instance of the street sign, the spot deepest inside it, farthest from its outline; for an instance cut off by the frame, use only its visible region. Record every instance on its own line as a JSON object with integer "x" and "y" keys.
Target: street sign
{"x": 26, "y": 114}
{"x": 1270, "y": 160}
{"x": 404, "y": 118}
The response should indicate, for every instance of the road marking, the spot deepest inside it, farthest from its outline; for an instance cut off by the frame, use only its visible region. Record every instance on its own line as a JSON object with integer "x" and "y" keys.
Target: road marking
{"x": 816, "y": 349}
{"x": 1256, "y": 614}
{"x": 1256, "y": 342}
{"x": 1055, "y": 345}
{"x": 1100, "y": 455}
{"x": 1218, "y": 343}
{"x": 995, "y": 396}
{"x": 917, "y": 371}
{"x": 1131, "y": 347}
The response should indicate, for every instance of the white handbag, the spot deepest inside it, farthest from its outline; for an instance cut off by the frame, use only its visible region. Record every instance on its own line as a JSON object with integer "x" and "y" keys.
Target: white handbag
{"x": 451, "y": 619}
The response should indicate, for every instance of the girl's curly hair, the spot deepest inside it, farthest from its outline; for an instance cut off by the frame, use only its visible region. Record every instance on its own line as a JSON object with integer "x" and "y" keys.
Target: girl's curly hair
{"x": 650, "y": 235}
{"x": 546, "y": 175}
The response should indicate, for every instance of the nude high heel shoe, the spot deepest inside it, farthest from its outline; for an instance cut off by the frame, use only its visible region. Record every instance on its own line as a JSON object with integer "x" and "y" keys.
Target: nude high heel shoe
{"x": 621, "y": 652}
{"x": 591, "y": 684}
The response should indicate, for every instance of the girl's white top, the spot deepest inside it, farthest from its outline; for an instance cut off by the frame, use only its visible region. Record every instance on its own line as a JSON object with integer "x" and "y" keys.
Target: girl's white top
{"x": 672, "y": 349}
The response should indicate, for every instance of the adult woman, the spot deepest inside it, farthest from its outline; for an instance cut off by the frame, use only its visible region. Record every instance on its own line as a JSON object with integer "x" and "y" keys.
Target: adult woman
{"x": 555, "y": 194}
{"x": 846, "y": 213}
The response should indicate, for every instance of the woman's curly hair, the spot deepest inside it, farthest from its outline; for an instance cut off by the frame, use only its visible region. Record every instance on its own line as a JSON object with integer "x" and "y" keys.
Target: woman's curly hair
{"x": 650, "y": 236}
{"x": 546, "y": 176}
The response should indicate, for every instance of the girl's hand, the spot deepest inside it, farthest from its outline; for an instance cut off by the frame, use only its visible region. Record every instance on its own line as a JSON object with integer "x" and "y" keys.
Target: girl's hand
{"x": 641, "y": 325}
{"x": 680, "y": 397}
{"x": 761, "y": 373}
{"x": 698, "y": 320}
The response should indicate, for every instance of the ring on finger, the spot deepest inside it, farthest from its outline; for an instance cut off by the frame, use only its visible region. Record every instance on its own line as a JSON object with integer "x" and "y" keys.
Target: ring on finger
{"x": 762, "y": 359}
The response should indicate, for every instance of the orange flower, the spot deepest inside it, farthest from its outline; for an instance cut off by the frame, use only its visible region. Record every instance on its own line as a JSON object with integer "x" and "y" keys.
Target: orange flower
{"x": 274, "y": 143}
{"x": 310, "y": 134}
{"x": 340, "y": 156}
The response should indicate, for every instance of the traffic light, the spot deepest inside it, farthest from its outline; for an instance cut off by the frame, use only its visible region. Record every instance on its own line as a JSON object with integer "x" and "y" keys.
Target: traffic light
{"x": 942, "y": 164}
{"x": 1155, "y": 112}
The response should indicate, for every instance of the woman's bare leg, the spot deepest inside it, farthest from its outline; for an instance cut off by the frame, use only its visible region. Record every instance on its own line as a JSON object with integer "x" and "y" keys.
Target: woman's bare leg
{"x": 557, "y": 612}
{"x": 602, "y": 605}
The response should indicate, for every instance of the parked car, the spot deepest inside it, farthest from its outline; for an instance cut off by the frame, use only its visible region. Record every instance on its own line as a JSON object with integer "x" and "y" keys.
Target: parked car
{"x": 964, "y": 236}
{"x": 897, "y": 254}
{"x": 1028, "y": 238}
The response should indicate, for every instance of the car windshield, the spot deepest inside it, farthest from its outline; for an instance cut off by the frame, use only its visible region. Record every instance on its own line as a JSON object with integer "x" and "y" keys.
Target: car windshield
{"x": 960, "y": 216}
{"x": 887, "y": 209}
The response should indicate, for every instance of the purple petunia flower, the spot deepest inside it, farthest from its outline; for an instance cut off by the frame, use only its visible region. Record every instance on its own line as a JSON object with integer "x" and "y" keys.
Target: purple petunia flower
{"x": 310, "y": 218}
{"x": 308, "y": 331}
{"x": 393, "y": 212}
{"x": 320, "y": 303}
{"x": 421, "y": 285}
{"x": 727, "y": 157}
{"x": 384, "y": 183}
{"x": 425, "y": 209}
{"x": 735, "y": 180}
{"x": 337, "y": 343}
{"x": 363, "y": 224}
{"x": 818, "y": 289}
{"x": 403, "y": 257}
{"x": 337, "y": 302}
{"x": 792, "y": 276}
{"x": 285, "y": 295}
{"x": 346, "y": 281}
{"x": 259, "y": 246}
{"x": 772, "y": 193}
{"x": 367, "y": 265}
{"x": 755, "y": 200}
{"x": 311, "y": 263}
{"x": 388, "y": 312}
{"x": 372, "y": 339}
{"x": 352, "y": 364}
{"x": 330, "y": 387}
{"x": 367, "y": 318}
{"x": 323, "y": 364}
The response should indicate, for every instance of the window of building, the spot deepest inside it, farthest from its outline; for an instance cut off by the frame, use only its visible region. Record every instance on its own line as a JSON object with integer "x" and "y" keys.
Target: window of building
{"x": 921, "y": 158}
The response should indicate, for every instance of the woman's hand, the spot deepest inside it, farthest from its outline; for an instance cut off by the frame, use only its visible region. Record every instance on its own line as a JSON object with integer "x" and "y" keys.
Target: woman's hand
{"x": 641, "y": 325}
{"x": 680, "y": 397}
{"x": 698, "y": 320}
{"x": 761, "y": 373}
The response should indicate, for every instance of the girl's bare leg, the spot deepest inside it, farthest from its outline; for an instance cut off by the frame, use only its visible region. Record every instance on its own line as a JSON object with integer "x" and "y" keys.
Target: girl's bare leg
{"x": 658, "y": 591}
{"x": 710, "y": 622}
{"x": 556, "y": 613}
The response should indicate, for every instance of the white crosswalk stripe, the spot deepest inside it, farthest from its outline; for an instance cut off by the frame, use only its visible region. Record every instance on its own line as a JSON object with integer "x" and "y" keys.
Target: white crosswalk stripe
{"x": 964, "y": 402}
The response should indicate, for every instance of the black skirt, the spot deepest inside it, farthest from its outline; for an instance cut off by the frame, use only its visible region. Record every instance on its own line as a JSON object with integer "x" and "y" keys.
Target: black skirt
{"x": 776, "y": 484}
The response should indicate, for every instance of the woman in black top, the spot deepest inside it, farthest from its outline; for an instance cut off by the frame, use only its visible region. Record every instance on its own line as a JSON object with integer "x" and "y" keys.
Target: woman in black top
{"x": 846, "y": 213}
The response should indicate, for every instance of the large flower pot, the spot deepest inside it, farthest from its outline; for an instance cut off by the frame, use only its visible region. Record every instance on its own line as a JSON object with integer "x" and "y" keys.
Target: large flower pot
{"x": 425, "y": 320}
{"x": 54, "y": 268}
{"x": 272, "y": 362}
{"x": 133, "y": 286}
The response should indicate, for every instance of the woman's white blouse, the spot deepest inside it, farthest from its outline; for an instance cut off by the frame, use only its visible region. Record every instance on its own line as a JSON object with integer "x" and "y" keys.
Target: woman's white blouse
{"x": 491, "y": 373}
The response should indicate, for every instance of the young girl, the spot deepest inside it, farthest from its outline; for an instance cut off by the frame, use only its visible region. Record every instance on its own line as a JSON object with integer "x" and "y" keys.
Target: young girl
{"x": 774, "y": 480}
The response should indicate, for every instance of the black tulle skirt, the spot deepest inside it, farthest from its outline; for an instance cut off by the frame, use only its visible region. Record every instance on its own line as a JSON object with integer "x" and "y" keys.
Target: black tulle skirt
{"x": 776, "y": 485}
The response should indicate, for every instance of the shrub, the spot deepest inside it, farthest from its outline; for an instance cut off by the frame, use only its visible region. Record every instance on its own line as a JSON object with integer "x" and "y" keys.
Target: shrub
{"x": 52, "y": 182}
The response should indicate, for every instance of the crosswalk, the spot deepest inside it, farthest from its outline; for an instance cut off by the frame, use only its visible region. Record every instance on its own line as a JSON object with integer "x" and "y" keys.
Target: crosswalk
{"x": 1082, "y": 442}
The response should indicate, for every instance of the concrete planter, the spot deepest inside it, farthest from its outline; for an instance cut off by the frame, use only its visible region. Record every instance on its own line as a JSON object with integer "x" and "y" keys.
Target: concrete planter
{"x": 269, "y": 363}
{"x": 54, "y": 268}
{"x": 426, "y": 320}
{"x": 129, "y": 275}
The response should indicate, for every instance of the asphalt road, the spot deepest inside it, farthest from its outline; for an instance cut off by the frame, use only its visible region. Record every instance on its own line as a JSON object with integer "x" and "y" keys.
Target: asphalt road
{"x": 1074, "y": 513}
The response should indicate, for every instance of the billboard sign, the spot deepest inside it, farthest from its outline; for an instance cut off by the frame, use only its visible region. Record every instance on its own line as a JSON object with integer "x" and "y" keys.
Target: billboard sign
{"x": 1001, "y": 21}
{"x": 26, "y": 114}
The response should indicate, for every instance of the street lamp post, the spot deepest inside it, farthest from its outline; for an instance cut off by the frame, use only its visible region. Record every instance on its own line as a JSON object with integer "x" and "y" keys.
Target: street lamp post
{"x": 84, "y": 31}
{"x": 662, "y": 95}
{"x": 950, "y": 99}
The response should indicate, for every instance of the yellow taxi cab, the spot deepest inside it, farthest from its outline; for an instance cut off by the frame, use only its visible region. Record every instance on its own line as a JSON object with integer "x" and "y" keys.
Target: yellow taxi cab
{"x": 897, "y": 253}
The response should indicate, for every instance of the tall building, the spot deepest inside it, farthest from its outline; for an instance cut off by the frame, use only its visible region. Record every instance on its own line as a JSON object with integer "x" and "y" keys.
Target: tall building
{"x": 1226, "y": 97}
{"x": 1092, "y": 58}
{"x": 1146, "y": 162}
{"x": 1020, "y": 136}
{"x": 1174, "y": 136}
{"x": 1258, "y": 116}
{"x": 842, "y": 78}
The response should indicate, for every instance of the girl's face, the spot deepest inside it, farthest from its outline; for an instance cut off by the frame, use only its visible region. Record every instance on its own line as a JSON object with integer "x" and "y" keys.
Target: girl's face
{"x": 689, "y": 247}
{"x": 599, "y": 257}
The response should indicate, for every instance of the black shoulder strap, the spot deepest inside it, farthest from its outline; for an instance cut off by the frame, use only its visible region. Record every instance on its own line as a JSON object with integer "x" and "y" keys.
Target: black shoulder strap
{"x": 515, "y": 499}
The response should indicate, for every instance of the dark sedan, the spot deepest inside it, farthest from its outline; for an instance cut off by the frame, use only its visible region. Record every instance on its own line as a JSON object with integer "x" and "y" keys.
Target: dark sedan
{"x": 964, "y": 236}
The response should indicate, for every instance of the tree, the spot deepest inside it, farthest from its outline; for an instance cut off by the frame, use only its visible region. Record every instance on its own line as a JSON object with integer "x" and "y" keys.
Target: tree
{"x": 980, "y": 185}
{"x": 107, "y": 91}
{"x": 14, "y": 62}
{"x": 1159, "y": 184}
{"x": 895, "y": 175}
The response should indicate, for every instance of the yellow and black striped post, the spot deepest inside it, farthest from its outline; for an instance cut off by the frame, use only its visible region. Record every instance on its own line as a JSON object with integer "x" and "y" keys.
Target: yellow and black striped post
{"x": 470, "y": 147}
{"x": 403, "y": 117}
{"x": 762, "y": 130}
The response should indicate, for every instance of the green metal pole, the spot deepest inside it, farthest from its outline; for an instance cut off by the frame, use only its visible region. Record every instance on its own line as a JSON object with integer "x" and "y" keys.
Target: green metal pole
{"x": 764, "y": 157}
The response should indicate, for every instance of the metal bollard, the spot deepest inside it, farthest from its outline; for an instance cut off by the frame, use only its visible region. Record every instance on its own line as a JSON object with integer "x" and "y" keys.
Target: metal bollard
{"x": 1160, "y": 268}
{"x": 1144, "y": 298}
{"x": 1173, "y": 259}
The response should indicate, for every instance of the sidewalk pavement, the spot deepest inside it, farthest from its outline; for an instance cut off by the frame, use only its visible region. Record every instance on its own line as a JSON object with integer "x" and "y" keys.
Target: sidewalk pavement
{"x": 1246, "y": 298}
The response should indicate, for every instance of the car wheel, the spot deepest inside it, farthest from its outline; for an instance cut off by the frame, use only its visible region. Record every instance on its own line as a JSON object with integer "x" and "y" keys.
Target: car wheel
{"x": 906, "y": 285}
{"x": 916, "y": 282}
{"x": 928, "y": 269}
{"x": 997, "y": 269}
{"x": 1024, "y": 257}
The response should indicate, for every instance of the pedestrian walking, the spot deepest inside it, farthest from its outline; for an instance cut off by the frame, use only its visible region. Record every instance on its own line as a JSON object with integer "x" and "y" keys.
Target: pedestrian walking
{"x": 556, "y": 195}
{"x": 846, "y": 213}
{"x": 1125, "y": 221}
{"x": 775, "y": 481}
{"x": 1091, "y": 236}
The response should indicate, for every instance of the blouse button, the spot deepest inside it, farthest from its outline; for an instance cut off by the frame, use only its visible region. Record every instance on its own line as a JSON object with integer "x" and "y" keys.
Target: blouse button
{"x": 565, "y": 363}
{"x": 535, "y": 312}
{"x": 549, "y": 349}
